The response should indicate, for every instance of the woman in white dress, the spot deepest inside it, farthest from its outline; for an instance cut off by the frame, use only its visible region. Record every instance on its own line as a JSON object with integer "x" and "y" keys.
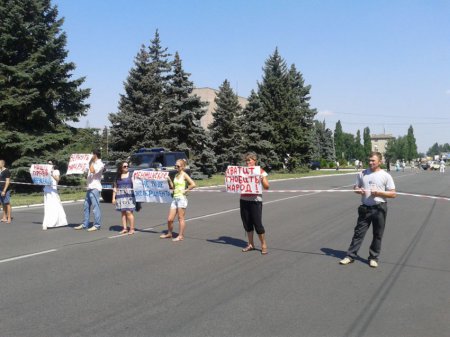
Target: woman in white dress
{"x": 54, "y": 215}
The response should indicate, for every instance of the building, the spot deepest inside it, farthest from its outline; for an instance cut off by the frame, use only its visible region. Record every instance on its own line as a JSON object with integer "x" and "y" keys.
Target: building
{"x": 209, "y": 95}
{"x": 379, "y": 142}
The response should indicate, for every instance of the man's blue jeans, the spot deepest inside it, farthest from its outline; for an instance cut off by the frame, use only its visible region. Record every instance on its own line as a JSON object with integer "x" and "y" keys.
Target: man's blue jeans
{"x": 92, "y": 199}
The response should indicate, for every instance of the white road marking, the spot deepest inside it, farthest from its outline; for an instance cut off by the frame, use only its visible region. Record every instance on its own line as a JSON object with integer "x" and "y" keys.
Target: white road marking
{"x": 28, "y": 255}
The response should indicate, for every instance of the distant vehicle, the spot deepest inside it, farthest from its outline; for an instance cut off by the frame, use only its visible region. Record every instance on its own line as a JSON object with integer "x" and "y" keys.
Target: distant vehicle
{"x": 435, "y": 165}
{"x": 425, "y": 165}
{"x": 148, "y": 159}
{"x": 314, "y": 165}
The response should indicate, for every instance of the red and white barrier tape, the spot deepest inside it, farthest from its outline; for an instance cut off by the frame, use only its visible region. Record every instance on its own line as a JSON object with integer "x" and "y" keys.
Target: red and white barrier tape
{"x": 435, "y": 197}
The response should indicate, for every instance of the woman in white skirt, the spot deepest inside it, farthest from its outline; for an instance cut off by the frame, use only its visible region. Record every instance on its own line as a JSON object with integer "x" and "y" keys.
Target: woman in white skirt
{"x": 54, "y": 215}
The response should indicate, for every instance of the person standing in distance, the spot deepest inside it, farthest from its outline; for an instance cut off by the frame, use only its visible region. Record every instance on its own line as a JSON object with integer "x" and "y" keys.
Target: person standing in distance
{"x": 375, "y": 186}
{"x": 251, "y": 210}
{"x": 94, "y": 187}
{"x": 5, "y": 197}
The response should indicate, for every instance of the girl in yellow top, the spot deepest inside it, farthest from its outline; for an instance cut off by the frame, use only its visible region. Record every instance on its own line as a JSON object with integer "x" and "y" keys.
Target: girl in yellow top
{"x": 179, "y": 202}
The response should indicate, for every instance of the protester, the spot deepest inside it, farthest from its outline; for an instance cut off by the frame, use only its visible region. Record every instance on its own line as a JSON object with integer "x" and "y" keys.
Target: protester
{"x": 375, "y": 186}
{"x": 5, "y": 196}
{"x": 251, "y": 210}
{"x": 179, "y": 202}
{"x": 442, "y": 166}
{"x": 123, "y": 197}
{"x": 54, "y": 215}
{"x": 94, "y": 188}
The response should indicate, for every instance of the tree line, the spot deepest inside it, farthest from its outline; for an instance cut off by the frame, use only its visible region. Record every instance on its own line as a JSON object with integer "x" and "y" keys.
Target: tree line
{"x": 39, "y": 99}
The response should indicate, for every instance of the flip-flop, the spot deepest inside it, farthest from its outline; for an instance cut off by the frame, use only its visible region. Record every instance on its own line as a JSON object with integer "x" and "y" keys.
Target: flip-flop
{"x": 177, "y": 239}
{"x": 249, "y": 248}
{"x": 131, "y": 232}
{"x": 3, "y": 220}
{"x": 165, "y": 236}
{"x": 124, "y": 231}
{"x": 264, "y": 251}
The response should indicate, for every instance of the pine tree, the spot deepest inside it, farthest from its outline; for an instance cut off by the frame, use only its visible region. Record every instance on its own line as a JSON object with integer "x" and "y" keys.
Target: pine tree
{"x": 367, "y": 144}
{"x": 256, "y": 131}
{"x": 140, "y": 119}
{"x": 183, "y": 112}
{"x": 339, "y": 141}
{"x": 323, "y": 148}
{"x": 411, "y": 151}
{"x": 37, "y": 95}
{"x": 285, "y": 99}
{"x": 224, "y": 130}
{"x": 359, "y": 148}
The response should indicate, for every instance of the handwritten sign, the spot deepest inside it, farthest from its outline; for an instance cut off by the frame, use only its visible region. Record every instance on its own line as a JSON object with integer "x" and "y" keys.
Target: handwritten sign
{"x": 151, "y": 186}
{"x": 78, "y": 163}
{"x": 41, "y": 174}
{"x": 243, "y": 179}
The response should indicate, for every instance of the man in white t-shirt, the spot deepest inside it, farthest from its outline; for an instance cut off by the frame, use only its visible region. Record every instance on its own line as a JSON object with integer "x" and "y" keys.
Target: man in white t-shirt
{"x": 94, "y": 187}
{"x": 442, "y": 166}
{"x": 375, "y": 186}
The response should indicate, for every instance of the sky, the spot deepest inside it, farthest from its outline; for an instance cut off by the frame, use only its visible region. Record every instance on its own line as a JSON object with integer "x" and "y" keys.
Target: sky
{"x": 381, "y": 64}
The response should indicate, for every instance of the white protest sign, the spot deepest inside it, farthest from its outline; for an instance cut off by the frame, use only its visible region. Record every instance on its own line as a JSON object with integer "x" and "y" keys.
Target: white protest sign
{"x": 41, "y": 174}
{"x": 151, "y": 186}
{"x": 78, "y": 163}
{"x": 243, "y": 179}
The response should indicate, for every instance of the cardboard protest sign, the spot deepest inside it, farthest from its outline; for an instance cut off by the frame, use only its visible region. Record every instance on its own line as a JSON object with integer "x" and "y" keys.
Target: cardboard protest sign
{"x": 243, "y": 179}
{"x": 151, "y": 186}
{"x": 41, "y": 174}
{"x": 78, "y": 163}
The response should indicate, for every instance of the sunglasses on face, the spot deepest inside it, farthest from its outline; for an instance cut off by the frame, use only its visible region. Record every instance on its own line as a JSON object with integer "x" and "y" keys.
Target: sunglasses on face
{"x": 125, "y": 166}
{"x": 177, "y": 166}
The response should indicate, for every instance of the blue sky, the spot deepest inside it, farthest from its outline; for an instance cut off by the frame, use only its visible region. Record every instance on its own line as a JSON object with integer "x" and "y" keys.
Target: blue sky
{"x": 381, "y": 64}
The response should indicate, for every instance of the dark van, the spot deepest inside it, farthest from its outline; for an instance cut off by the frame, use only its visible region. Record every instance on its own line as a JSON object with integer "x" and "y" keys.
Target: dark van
{"x": 149, "y": 159}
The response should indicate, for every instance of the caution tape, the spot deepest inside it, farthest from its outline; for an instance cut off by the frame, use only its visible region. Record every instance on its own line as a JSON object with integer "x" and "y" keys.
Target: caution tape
{"x": 426, "y": 196}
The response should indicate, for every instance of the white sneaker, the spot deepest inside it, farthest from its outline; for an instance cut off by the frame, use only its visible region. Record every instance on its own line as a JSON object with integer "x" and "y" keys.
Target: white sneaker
{"x": 79, "y": 227}
{"x": 346, "y": 260}
{"x": 373, "y": 263}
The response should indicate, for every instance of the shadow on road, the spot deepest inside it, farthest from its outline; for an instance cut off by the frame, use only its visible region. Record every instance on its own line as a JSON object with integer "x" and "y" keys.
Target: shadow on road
{"x": 339, "y": 254}
{"x": 227, "y": 240}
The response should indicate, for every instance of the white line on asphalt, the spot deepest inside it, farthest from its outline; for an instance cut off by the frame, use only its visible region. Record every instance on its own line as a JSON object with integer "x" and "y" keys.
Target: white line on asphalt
{"x": 27, "y": 255}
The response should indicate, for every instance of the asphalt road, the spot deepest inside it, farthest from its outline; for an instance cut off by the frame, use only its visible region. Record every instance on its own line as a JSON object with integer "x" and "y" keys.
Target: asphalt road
{"x": 63, "y": 282}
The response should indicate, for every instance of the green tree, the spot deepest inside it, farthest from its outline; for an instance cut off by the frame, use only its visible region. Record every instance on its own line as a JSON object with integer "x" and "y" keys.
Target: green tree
{"x": 367, "y": 142}
{"x": 256, "y": 131}
{"x": 183, "y": 112}
{"x": 434, "y": 150}
{"x": 359, "y": 148}
{"x": 324, "y": 148}
{"x": 285, "y": 98}
{"x": 339, "y": 141}
{"x": 224, "y": 130}
{"x": 411, "y": 146}
{"x": 139, "y": 121}
{"x": 37, "y": 95}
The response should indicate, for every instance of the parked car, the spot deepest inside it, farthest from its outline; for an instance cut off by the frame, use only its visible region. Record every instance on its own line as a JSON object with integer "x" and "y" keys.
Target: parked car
{"x": 314, "y": 165}
{"x": 149, "y": 159}
{"x": 434, "y": 165}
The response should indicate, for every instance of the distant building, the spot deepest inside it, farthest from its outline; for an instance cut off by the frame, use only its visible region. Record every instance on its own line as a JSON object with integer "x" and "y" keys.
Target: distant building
{"x": 380, "y": 141}
{"x": 208, "y": 95}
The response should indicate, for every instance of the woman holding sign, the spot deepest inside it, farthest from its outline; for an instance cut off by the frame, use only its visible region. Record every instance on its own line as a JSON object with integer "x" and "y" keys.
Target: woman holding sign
{"x": 123, "y": 197}
{"x": 179, "y": 202}
{"x": 251, "y": 210}
{"x": 54, "y": 215}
